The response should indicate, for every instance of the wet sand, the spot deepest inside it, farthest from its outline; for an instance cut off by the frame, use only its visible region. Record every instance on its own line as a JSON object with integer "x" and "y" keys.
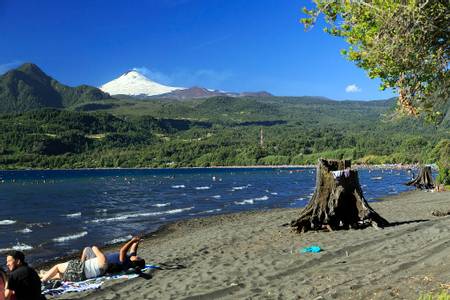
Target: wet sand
{"x": 252, "y": 256}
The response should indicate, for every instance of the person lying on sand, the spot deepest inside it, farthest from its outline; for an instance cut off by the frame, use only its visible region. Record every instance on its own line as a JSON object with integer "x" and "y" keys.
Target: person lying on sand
{"x": 92, "y": 264}
{"x": 122, "y": 261}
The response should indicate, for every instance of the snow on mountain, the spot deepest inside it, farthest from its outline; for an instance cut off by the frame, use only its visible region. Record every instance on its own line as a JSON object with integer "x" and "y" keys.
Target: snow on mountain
{"x": 134, "y": 83}
{"x": 199, "y": 92}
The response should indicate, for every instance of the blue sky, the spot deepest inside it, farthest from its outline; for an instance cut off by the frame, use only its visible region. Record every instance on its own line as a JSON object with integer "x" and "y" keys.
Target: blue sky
{"x": 232, "y": 45}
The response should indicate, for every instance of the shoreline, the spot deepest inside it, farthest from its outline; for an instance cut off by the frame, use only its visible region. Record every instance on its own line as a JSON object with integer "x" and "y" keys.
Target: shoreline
{"x": 166, "y": 229}
{"x": 41, "y": 253}
{"x": 250, "y": 255}
{"x": 356, "y": 166}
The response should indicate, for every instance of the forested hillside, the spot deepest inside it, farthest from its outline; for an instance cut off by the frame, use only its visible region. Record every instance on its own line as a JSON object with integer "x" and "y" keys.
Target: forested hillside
{"x": 27, "y": 88}
{"x": 216, "y": 131}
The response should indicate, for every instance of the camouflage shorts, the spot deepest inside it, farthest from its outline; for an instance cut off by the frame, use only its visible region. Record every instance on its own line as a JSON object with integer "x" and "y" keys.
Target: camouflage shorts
{"x": 74, "y": 271}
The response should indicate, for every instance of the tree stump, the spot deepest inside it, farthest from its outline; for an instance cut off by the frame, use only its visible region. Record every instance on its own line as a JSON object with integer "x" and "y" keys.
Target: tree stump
{"x": 338, "y": 201}
{"x": 424, "y": 180}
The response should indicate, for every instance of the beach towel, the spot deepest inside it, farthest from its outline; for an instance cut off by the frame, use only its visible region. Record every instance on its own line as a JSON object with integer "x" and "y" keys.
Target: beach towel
{"x": 62, "y": 287}
{"x": 68, "y": 286}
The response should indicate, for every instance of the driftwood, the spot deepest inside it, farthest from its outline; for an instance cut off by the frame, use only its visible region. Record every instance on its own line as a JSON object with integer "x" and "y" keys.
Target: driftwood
{"x": 338, "y": 201}
{"x": 424, "y": 180}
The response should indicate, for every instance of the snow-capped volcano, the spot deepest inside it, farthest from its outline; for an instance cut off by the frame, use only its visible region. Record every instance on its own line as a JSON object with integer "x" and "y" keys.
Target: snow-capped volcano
{"x": 134, "y": 83}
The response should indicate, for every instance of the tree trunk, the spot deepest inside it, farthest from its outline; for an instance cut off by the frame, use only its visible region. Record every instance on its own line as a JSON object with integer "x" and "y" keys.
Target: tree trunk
{"x": 338, "y": 201}
{"x": 424, "y": 180}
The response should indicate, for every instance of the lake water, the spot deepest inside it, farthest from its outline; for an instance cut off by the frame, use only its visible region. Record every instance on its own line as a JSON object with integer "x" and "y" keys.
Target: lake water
{"x": 54, "y": 213}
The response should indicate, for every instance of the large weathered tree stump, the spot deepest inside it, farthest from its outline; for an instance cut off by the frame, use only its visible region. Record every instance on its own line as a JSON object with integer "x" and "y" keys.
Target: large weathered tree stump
{"x": 424, "y": 180}
{"x": 338, "y": 201}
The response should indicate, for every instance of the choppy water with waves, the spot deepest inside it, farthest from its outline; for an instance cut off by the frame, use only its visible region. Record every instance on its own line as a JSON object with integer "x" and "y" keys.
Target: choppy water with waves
{"x": 49, "y": 214}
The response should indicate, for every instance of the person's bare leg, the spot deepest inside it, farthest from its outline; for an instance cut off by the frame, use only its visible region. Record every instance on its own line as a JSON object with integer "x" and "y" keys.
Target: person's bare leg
{"x": 83, "y": 255}
{"x": 88, "y": 253}
{"x": 101, "y": 258}
{"x": 56, "y": 272}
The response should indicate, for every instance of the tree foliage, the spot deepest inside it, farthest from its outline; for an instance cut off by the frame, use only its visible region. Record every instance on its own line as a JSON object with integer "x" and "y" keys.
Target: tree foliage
{"x": 404, "y": 43}
{"x": 300, "y": 133}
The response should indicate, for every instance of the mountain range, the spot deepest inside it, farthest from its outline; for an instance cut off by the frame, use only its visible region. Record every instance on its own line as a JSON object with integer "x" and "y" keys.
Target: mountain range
{"x": 133, "y": 83}
{"x": 28, "y": 87}
{"x": 199, "y": 92}
{"x": 88, "y": 128}
{"x": 137, "y": 85}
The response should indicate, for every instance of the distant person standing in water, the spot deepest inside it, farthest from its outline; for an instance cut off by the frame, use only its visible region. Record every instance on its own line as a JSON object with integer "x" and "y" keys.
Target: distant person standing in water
{"x": 23, "y": 281}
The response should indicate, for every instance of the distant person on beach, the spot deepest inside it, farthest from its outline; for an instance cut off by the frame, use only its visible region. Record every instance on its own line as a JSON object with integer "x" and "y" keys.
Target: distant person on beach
{"x": 120, "y": 261}
{"x": 23, "y": 281}
{"x": 2, "y": 283}
{"x": 91, "y": 264}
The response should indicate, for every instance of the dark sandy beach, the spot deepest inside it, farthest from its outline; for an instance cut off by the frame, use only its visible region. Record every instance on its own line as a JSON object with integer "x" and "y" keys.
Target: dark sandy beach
{"x": 252, "y": 256}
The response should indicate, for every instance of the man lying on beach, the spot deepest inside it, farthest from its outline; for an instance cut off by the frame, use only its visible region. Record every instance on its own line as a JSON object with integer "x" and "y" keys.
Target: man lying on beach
{"x": 23, "y": 281}
{"x": 122, "y": 261}
{"x": 92, "y": 264}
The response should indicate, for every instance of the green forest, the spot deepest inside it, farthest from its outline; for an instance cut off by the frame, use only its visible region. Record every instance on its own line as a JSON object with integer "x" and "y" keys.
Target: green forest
{"x": 219, "y": 131}
{"x": 45, "y": 124}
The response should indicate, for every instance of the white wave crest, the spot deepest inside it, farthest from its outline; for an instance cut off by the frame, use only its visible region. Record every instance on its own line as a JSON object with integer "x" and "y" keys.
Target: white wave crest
{"x": 212, "y": 210}
{"x": 118, "y": 240}
{"x": 161, "y": 204}
{"x": 217, "y": 196}
{"x": 236, "y": 188}
{"x": 137, "y": 215}
{"x": 180, "y": 186}
{"x": 74, "y": 215}
{"x": 18, "y": 247}
{"x": 7, "y": 222}
{"x": 202, "y": 187}
{"x": 206, "y": 211}
{"x": 75, "y": 236}
{"x": 274, "y": 193}
{"x": 248, "y": 201}
{"x": 25, "y": 230}
{"x": 252, "y": 200}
